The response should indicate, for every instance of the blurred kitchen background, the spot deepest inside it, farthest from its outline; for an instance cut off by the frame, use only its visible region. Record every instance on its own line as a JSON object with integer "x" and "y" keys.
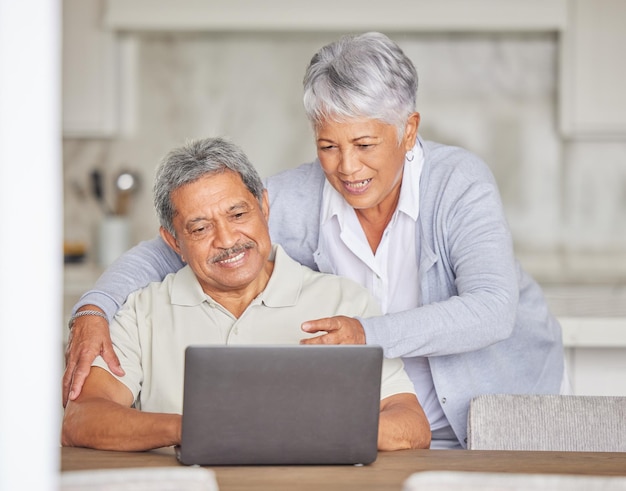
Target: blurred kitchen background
{"x": 534, "y": 87}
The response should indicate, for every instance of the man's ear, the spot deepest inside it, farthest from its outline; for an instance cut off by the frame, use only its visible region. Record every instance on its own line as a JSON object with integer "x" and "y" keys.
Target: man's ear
{"x": 169, "y": 239}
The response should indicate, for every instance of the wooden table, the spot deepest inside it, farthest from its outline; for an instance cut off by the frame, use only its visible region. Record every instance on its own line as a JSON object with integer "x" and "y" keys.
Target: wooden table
{"x": 389, "y": 471}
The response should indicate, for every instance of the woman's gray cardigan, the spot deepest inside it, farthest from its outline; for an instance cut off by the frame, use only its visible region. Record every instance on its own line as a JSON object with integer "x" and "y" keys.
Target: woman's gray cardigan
{"x": 484, "y": 324}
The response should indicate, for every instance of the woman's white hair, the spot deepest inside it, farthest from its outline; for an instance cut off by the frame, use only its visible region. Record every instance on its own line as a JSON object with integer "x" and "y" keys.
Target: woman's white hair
{"x": 361, "y": 76}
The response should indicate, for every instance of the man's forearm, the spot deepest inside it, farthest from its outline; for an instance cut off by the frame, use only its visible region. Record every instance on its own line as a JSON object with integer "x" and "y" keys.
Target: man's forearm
{"x": 106, "y": 425}
{"x": 403, "y": 425}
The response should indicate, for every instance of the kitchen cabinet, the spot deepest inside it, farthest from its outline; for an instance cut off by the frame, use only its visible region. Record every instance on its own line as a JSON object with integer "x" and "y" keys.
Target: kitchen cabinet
{"x": 593, "y": 319}
{"x": 89, "y": 71}
{"x": 98, "y": 68}
{"x": 592, "y": 71}
{"x": 347, "y": 15}
{"x": 597, "y": 371}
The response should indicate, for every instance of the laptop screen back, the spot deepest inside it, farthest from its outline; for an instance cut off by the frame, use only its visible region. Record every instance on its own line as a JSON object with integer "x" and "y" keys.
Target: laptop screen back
{"x": 279, "y": 405}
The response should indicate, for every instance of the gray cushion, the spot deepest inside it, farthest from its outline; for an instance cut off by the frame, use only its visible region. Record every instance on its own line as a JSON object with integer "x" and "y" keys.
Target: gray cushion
{"x": 547, "y": 422}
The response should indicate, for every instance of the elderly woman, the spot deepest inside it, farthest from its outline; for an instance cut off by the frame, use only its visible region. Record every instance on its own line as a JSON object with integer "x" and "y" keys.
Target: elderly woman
{"x": 420, "y": 224}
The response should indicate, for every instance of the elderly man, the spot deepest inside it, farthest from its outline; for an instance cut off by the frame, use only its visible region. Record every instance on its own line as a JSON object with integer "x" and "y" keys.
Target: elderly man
{"x": 236, "y": 288}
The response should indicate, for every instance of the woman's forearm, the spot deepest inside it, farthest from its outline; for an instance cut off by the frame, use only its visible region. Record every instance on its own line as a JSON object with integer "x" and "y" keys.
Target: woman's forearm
{"x": 146, "y": 262}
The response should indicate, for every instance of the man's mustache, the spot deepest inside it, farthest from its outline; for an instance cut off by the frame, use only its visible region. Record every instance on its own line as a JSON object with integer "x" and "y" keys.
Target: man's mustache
{"x": 232, "y": 251}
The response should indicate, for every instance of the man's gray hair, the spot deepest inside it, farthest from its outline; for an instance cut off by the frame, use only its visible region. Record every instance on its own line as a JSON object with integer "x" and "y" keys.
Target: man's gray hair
{"x": 195, "y": 159}
{"x": 361, "y": 76}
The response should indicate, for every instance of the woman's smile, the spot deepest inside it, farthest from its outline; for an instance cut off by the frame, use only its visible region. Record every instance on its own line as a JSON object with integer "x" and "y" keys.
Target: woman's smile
{"x": 357, "y": 187}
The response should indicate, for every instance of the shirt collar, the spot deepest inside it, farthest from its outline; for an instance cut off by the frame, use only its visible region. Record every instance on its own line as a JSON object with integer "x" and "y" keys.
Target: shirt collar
{"x": 186, "y": 289}
{"x": 410, "y": 191}
{"x": 283, "y": 288}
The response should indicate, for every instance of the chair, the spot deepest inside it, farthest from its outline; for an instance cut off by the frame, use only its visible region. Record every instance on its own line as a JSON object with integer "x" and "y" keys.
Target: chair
{"x": 547, "y": 422}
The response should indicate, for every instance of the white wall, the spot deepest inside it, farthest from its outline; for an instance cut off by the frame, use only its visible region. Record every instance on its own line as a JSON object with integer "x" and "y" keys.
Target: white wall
{"x": 30, "y": 244}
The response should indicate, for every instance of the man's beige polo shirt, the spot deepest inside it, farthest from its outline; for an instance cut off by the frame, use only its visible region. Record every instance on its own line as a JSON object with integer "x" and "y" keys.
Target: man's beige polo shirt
{"x": 156, "y": 324}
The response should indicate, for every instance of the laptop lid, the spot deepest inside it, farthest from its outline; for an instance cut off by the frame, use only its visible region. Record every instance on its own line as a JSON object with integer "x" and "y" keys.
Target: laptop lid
{"x": 278, "y": 405}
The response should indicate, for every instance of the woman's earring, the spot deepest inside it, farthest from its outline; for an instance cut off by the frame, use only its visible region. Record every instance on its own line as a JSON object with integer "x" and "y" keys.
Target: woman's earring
{"x": 410, "y": 156}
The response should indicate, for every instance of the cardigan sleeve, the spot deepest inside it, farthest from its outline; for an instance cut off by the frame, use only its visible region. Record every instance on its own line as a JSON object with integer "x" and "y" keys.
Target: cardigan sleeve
{"x": 146, "y": 262}
{"x": 295, "y": 200}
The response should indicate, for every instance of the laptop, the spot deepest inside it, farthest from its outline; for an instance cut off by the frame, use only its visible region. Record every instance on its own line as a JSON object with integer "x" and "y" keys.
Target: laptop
{"x": 280, "y": 405}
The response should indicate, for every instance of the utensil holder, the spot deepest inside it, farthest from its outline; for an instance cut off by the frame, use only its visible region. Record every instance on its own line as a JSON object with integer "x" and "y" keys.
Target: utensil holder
{"x": 113, "y": 239}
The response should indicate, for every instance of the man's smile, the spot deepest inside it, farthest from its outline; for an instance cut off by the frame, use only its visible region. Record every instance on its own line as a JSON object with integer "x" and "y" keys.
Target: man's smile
{"x": 233, "y": 254}
{"x": 233, "y": 259}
